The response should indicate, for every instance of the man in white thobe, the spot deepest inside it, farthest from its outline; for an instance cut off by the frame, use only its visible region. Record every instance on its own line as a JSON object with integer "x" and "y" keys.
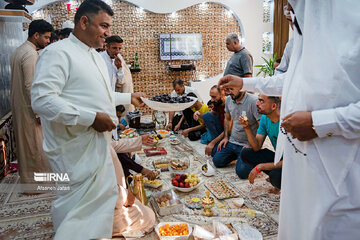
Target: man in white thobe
{"x": 72, "y": 94}
{"x": 27, "y": 127}
{"x": 320, "y": 196}
{"x": 113, "y": 62}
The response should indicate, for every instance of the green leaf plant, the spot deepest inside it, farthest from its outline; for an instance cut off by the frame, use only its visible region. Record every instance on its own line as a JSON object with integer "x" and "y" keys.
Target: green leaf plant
{"x": 268, "y": 67}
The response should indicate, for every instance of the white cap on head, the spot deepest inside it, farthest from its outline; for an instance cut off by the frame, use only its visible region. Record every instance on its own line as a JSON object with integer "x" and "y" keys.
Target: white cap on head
{"x": 68, "y": 24}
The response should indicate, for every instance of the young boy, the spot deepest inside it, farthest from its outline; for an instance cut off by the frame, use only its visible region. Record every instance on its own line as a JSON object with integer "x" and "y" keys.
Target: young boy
{"x": 120, "y": 109}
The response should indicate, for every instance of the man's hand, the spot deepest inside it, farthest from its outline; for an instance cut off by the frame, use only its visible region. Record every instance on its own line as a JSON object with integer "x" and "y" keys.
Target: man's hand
{"x": 230, "y": 81}
{"x": 197, "y": 114}
{"x": 119, "y": 85}
{"x": 103, "y": 123}
{"x": 168, "y": 127}
{"x": 122, "y": 127}
{"x": 243, "y": 121}
{"x": 185, "y": 132}
{"x": 299, "y": 125}
{"x": 253, "y": 174}
{"x": 177, "y": 127}
{"x": 130, "y": 200}
{"x": 136, "y": 99}
{"x": 117, "y": 62}
{"x": 209, "y": 148}
{"x": 147, "y": 140}
{"x": 148, "y": 173}
{"x": 223, "y": 143}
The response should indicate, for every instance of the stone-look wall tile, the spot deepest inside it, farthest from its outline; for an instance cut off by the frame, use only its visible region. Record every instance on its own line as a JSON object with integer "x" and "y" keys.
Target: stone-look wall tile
{"x": 141, "y": 30}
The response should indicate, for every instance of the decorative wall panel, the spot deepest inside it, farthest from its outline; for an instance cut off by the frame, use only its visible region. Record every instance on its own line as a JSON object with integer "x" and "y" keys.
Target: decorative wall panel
{"x": 140, "y": 30}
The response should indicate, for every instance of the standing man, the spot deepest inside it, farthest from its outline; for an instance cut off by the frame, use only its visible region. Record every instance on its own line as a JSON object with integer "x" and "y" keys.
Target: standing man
{"x": 113, "y": 61}
{"x": 72, "y": 94}
{"x": 27, "y": 128}
{"x": 263, "y": 159}
{"x": 241, "y": 62}
{"x": 120, "y": 75}
{"x": 179, "y": 90}
{"x": 320, "y": 130}
{"x": 238, "y": 103}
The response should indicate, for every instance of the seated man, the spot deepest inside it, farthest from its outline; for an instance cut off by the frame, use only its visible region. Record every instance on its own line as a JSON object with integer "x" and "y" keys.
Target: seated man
{"x": 263, "y": 159}
{"x": 179, "y": 90}
{"x": 195, "y": 127}
{"x": 229, "y": 149}
{"x": 130, "y": 214}
{"x": 214, "y": 120}
{"x": 123, "y": 146}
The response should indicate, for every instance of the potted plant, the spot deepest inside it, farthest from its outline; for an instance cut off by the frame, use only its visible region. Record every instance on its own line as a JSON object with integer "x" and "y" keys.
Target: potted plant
{"x": 268, "y": 67}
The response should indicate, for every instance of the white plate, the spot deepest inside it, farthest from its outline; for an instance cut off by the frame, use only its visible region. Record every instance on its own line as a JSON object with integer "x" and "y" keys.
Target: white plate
{"x": 172, "y": 237}
{"x": 174, "y": 141}
{"x": 172, "y": 107}
{"x": 188, "y": 189}
{"x": 152, "y": 185}
{"x": 163, "y": 135}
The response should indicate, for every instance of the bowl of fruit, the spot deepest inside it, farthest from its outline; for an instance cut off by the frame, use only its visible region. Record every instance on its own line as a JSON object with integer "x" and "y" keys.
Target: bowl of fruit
{"x": 186, "y": 182}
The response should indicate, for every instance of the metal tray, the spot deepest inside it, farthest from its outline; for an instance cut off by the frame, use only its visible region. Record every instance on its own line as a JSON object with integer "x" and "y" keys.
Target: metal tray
{"x": 220, "y": 194}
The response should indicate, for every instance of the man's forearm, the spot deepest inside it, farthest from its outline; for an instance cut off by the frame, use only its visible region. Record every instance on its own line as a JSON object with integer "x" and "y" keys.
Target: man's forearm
{"x": 252, "y": 139}
{"x": 171, "y": 116}
{"x": 226, "y": 128}
{"x": 269, "y": 166}
{"x": 217, "y": 139}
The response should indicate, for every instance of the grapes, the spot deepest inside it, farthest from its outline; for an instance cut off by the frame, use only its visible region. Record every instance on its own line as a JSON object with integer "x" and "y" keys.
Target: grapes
{"x": 165, "y": 98}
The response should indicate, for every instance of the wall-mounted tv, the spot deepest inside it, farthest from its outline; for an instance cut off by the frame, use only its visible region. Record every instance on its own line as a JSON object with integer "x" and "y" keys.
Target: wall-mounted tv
{"x": 180, "y": 46}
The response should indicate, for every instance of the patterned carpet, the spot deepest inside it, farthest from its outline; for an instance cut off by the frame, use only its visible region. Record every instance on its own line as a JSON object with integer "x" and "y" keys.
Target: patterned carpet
{"x": 28, "y": 217}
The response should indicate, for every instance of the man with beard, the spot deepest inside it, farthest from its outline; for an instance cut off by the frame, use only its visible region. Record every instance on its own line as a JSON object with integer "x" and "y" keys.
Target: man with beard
{"x": 72, "y": 94}
{"x": 236, "y": 104}
{"x": 27, "y": 128}
{"x": 214, "y": 120}
{"x": 263, "y": 159}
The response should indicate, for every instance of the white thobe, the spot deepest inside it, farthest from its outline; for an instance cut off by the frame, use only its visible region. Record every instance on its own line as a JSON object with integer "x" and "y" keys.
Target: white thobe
{"x": 320, "y": 196}
{"x": 116, "y": 75}
{"x": 127, "y": 84}
{"x": 284, "y": 64}
{"x": 28, "y": 133}
{"x": 71, "y": 85}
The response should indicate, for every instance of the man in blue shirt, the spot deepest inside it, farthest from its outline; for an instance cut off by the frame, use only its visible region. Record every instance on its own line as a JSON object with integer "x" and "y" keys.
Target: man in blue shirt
{"x": 263, "y": 159}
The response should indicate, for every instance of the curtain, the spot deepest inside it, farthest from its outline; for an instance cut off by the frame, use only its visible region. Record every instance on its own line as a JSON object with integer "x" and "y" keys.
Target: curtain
{"x": 281, "y": 28}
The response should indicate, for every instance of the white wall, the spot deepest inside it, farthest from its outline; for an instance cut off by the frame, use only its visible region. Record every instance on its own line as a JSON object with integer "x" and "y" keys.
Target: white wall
{"x": 249, "y": 12}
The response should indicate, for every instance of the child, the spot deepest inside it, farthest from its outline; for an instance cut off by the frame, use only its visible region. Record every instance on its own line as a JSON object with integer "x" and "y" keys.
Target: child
{"x": 122, "y": 122}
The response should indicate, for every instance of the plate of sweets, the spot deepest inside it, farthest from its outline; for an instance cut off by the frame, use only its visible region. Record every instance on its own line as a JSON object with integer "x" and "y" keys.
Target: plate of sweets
{"x": 128, "y": 131}
{"x": 193, "y": 201}
{"x": 152, "y": 183}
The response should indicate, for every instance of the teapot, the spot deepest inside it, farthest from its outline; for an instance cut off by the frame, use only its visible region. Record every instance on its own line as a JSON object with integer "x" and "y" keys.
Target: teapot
{"x": 138, "y": 189}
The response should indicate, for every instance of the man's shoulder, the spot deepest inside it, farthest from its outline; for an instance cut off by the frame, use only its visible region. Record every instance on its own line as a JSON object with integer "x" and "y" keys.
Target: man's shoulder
{"x": 251, "y": 97}
{"x": 64, "y": 45}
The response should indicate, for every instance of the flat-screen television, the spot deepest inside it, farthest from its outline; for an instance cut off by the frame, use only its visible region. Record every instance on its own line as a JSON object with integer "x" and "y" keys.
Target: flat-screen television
{"x": 180, "y": 46}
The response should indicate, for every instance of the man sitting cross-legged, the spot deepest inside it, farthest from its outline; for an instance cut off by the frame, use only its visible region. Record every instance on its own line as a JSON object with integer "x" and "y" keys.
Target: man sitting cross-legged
{"x": 214, "y": 120}
{"x": 263, "y": 159}
{"x": 229, "y": 149}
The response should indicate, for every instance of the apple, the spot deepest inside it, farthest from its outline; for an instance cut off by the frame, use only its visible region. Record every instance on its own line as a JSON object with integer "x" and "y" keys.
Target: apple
{"x": 183, "y": 177}
{"x": 181, "y": 185}
{"x": 175, "y": 183}
{"x": 178, "y": 178}
{"x": 187, "y": 185}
